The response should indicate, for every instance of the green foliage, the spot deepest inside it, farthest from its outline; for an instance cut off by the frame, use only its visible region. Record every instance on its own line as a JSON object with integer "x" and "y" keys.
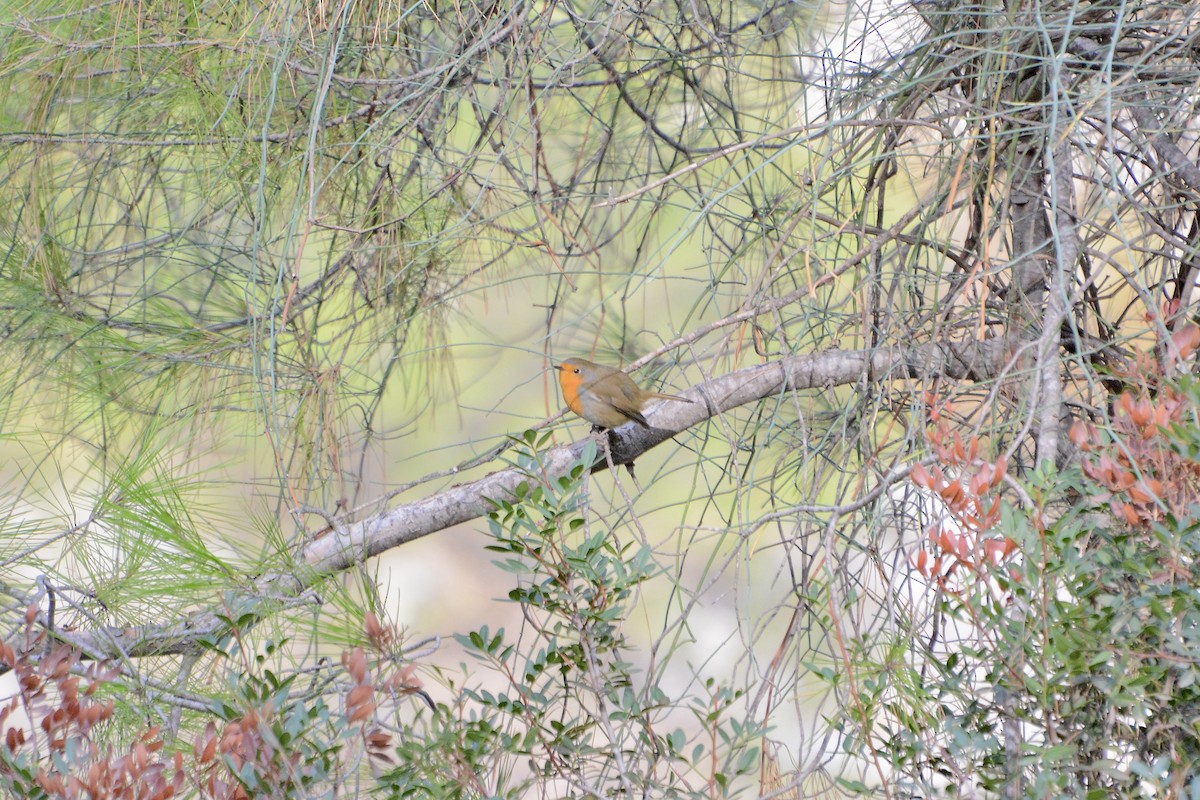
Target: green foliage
{"x": 1071, "y": 666}
{"x": 272, "y": 735}
{"x": 574, "y": 706}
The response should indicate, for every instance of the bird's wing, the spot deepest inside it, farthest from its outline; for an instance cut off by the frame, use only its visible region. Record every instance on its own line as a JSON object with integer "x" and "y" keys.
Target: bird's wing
{"x": 624, "y": 398}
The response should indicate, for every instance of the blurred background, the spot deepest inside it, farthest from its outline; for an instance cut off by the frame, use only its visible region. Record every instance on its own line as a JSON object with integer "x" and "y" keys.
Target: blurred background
{"x": 273, "y": 268}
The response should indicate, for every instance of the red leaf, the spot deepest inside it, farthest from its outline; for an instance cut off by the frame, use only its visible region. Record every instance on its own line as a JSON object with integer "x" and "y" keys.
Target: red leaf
{"x": 358, "y": 695}
{"x": 920, "y": 476}
{"x": 1000, "y": 467}
{"x": 356, "y": 664}
{"x": 1186, "y": 340}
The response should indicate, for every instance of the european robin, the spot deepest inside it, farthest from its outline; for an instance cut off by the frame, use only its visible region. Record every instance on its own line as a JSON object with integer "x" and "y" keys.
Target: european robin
{"x": 605, "y": 396}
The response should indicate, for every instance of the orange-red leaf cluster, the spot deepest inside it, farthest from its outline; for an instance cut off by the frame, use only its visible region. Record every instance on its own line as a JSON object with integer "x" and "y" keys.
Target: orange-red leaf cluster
{"x": 1142, "y": 475}
{"x": 967, "y": 486}
{"x": 55, "y": 690}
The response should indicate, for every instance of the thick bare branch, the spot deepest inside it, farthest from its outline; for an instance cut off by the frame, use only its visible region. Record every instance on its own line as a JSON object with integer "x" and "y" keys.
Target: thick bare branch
{"x": 355, "y": 542}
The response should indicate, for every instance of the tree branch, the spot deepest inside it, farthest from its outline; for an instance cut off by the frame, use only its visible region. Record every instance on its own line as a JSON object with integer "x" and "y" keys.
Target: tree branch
{"x": 352, "y": 544}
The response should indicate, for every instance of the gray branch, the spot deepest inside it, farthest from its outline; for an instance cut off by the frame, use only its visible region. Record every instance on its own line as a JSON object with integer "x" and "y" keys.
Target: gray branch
{"x": 352, "y": 544}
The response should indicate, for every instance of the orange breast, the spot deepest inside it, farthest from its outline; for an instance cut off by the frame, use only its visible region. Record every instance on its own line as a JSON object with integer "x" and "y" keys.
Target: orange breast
{"x": 570, "y": 383}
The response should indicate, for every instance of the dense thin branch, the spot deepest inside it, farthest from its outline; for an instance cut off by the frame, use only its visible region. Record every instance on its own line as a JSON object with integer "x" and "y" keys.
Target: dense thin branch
{"x": 352, "y": 544}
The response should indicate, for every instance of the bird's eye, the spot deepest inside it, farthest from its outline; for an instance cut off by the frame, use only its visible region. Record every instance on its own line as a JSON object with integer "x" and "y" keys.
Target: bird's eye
{"x": 576, "y": 370}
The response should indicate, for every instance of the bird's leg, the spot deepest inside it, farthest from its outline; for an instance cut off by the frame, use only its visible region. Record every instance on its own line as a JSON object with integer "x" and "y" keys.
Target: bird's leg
{"x": 603, "y": 438}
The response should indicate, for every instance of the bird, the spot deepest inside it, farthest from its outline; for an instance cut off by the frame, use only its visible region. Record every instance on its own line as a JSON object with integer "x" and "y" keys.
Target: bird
{"x": 604, "y": 396}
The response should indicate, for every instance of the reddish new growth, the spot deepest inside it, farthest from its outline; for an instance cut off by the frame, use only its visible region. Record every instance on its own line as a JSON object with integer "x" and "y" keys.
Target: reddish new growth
{"x": 1143, "y": 474}
{"x": 966, "y": 483}
{"x": 53, "y": 745}
{"x": 402, "y": 680}
{"x": 56, "y": 694}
